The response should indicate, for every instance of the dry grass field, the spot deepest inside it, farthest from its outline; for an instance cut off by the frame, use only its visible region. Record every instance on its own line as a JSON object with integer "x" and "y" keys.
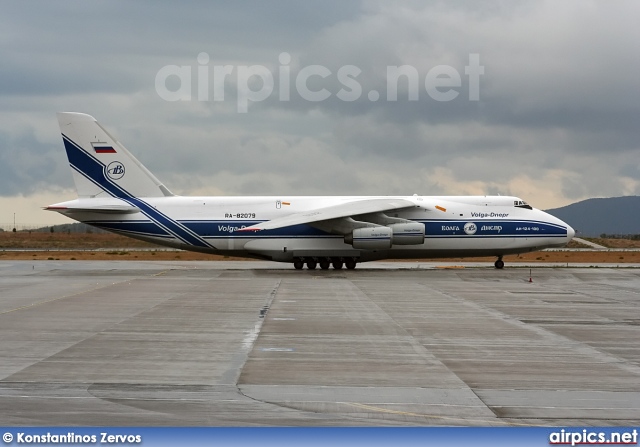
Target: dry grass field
{"x": 57, "y": 241}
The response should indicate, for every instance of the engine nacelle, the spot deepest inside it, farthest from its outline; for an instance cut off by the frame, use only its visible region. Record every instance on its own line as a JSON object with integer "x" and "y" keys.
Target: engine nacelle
{"x": 372, "y": 238}
{"x": 382, "y": 237}
{"x": 407, "y": 233}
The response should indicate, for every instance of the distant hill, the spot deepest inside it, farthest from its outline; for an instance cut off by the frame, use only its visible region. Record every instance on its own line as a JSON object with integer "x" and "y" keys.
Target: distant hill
{"x": 592, "y": 217}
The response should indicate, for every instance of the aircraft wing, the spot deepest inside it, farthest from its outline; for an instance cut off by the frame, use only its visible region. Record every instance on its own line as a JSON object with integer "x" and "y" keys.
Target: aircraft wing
{"x": 343, "y": 210}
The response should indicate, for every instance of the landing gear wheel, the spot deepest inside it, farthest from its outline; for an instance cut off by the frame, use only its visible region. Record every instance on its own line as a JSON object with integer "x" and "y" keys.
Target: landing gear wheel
{"x": 499, "y": 263}
{"x": 350, "y": 264}
{"x": 337, "y": 265}
{"x": 298, "y": 264}
{"x": 324, "y": 264}
{"x": 311, "y": 265}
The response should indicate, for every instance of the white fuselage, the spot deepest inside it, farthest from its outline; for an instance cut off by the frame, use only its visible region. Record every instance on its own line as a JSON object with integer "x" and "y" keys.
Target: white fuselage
{"x": 455, "y": 226}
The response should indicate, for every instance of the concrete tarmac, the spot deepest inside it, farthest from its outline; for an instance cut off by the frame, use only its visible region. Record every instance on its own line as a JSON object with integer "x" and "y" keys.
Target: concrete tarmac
{"x": 257, "y": 343}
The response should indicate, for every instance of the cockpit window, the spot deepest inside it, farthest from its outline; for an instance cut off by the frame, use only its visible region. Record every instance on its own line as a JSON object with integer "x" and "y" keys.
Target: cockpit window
{"x": 521, "y": 204}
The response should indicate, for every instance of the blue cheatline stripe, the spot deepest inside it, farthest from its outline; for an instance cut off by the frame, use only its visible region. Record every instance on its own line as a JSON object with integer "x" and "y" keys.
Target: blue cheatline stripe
{"x": 218, "y": 227}
{"x": 226, "y": 229}
{"x": 493, "y": 222}
{"x": 210, "y": 228}
{"x": 94, "y": 170}
{"x": 149, "y": 228}
{"x": 493, "y": 236}
{"x": 494, "y": 228}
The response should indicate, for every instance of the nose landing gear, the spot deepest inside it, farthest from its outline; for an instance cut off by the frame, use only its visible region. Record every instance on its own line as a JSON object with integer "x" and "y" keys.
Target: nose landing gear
{"x": 499, "y": 264}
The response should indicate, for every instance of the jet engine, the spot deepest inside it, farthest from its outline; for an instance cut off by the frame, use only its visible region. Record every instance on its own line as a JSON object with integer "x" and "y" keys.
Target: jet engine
{"x": 371, "y": 238}
{"x": 383, "y": 237}
{"x": 407, "y": 233}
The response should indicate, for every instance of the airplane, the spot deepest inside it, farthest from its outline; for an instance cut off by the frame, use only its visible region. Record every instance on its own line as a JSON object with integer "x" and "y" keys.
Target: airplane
{"x": 117, "y": 193}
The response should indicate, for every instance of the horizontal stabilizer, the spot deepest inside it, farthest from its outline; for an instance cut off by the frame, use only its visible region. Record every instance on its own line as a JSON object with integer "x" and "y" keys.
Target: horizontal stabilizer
{"x": 99, "y": 209}
{"x": 102, "y": 206}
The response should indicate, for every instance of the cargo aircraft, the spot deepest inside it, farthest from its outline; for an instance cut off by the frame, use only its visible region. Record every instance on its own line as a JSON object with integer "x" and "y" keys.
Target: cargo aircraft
{"x": 117, "y": 193}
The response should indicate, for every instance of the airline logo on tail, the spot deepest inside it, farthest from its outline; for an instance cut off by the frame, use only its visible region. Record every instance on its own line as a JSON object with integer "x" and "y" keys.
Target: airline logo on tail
{"x": 115, "y": 170}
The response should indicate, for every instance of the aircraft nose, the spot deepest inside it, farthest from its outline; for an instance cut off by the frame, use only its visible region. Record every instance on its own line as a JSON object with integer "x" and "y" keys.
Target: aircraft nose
{"x": 570, "y": 232}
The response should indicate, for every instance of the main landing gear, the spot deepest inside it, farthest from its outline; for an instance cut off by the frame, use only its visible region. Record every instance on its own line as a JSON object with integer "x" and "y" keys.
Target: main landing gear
{"x": 499, "y": 263}
{"x": 325, "y": 263}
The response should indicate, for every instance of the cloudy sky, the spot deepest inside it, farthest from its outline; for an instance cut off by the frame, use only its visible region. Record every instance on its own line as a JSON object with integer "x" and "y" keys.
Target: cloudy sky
{"x": 557, "y": 119}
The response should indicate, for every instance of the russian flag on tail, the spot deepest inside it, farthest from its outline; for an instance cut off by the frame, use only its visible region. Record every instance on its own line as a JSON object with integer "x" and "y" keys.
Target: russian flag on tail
{"x": 103, "y": 148}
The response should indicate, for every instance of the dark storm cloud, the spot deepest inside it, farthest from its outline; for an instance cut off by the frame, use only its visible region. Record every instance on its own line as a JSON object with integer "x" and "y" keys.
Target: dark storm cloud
{"x": 117, "y": 46}
{"x": 28, "y": 165}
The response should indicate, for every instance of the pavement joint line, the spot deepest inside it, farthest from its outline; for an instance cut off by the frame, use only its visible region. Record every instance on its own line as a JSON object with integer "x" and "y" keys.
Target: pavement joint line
{"x": 232, "y": 375}
{"x": 39, "y": 303}
{"x": 433, "y": 416}
{"x": 418, "y": 347}
{"x": 428, "y": 416}
{"x": 137, "y": 399}
{"x": 577, "y": 347}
